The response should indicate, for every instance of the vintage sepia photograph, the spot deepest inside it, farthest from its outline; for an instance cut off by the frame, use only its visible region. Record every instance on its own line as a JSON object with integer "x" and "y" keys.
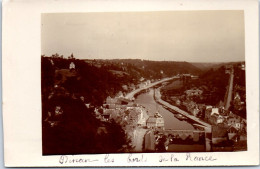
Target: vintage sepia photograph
{"x": 124, "y": 82}
{"x": 132, "y": 82}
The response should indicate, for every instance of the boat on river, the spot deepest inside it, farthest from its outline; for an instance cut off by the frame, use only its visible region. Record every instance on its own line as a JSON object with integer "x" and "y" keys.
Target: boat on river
{"x": 180, "y": 117}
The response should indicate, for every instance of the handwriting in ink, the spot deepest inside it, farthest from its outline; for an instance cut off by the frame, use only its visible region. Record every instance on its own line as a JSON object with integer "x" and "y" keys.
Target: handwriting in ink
{"x": 172, "y": 158}
{"x": 64, "y": 159}
{"x": 190, "y": 157}
{"x": 136, "y": 158}
{"x": 108, "y": 159}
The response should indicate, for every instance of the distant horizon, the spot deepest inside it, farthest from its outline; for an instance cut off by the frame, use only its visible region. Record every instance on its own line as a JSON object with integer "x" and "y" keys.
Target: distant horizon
{"x": 192, "y": 36}
{"x": 66, "y": 57}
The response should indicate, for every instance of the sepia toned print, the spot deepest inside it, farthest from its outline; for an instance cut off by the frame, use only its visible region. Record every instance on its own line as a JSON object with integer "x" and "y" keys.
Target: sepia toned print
{"x": 127, "y": 82}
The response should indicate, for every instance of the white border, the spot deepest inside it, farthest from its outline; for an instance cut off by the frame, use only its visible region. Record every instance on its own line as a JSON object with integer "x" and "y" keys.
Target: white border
{"x": 21, "y": 78}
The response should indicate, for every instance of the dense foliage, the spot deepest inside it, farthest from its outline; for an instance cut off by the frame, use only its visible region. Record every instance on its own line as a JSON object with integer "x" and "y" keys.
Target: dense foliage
{"x": 158, "y": 69}
{"x": 213, "y": 83}
{"x": 77, "y": 131}
{"x": 73, "y": 128}
{"x": 240, "y": 89}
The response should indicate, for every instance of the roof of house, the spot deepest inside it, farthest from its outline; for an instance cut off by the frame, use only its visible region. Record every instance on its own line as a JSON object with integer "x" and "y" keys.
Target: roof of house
{"x": 151, "y": 120}
{"x": 218, "y": 131}
{"x": 155, "y": 120}
{"x": 214, "y": 111}
{"x": 232, "y": 128}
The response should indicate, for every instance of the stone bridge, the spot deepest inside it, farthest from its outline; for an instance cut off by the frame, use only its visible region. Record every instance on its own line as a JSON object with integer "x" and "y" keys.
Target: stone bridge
{"x": 195, "y": 135}
{"x": 180, "y": 137}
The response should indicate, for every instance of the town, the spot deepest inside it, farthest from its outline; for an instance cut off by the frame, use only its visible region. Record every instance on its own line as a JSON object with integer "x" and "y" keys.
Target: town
{"x": 160, "y": 110}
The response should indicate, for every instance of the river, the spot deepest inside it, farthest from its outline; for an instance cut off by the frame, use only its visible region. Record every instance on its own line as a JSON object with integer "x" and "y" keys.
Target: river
{"x": 170, "y": 122}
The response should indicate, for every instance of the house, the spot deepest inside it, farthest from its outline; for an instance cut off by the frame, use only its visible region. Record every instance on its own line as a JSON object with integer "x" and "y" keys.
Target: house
{"x": 223, "y": 111}
{"x": 195, "y": 111}
{"x": 209, "y": 107}
{"x": 105, "y": 117}
{"x": 141, "y": 121}
{"x": 213, "y": 116}
{"x": 110, "y": 100}
{"x": 118, "y": 102}
{"x": 219, "y": 134}
{"x": 132, "y": 87}
{"x": 208, "y": 112}
{"x": 123, "y": 101}
{"x": 51, "y": 62}
{"x": 141, "y": 85}
{"x": 242, "y": 66}
{"x": 155, "y": 122}
{"x": 237, "y": 97}
{"x": 232, "y": 130}
{"x": 228, "y": 66}
{"x": 214, "y": 111}
{"x": 58, "y": 110}
{"x": 194, "y": 92}
{"x": 87, "y": 105}
{"x": 238, "y": 104}
{"x": 113, "y": 113}
{"x": 216, "y": 119}
{"x": 202, "y": 106}
{"x": 125, "y": 87}
{"x": 189, "y": 104}
{"x": 178, "y": 102}
{"x": 227, "y": 71}
{"x": 220, "y": 119}
{"x": 72, "y": 66}
{"x": 120, "y": 94}
{"x": 185, "y": 77}
{"x": 233, "y": 134}
{"x": 243, "y": 124}
{"x": 134, "y": 116}
{"x": 141, "y": 118}
{"x": 234, "y": 121}
{"x": 194, "y": 77}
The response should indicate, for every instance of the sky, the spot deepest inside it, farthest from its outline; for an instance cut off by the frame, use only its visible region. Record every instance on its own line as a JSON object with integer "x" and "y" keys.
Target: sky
{"x": 192, "y": 36}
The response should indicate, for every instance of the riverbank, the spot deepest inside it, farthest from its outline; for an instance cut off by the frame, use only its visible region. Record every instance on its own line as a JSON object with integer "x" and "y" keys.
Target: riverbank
{"x": 133, "y": 93}
{"x": 197, "y": 120}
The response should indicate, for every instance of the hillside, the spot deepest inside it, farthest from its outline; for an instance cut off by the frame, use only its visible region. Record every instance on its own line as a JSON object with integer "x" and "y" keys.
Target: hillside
{"x": 148, "y": 69}
{"x": 213, "y": 83}
{"x": 169, "y": 67}
{"x": 206, "y": 66}
{"x": 68, "y": 125}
